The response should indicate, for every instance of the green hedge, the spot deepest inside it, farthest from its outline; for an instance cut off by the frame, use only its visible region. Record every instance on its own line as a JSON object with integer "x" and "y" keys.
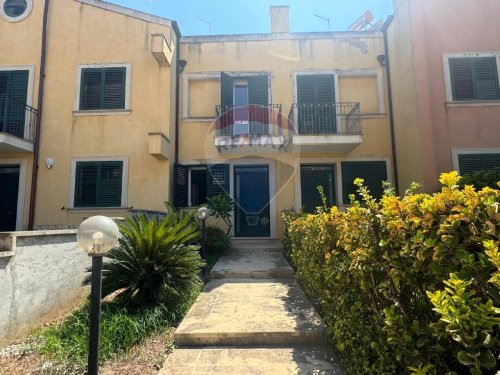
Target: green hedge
{"x": 406, "y": 285}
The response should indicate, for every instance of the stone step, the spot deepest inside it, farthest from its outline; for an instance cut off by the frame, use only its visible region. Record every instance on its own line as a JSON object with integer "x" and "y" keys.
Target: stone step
{"x": 252, "y": 265}
{"x": 251, "y": 361}
{"x": 265, "y": 244}
{"x": 232, "y": 312}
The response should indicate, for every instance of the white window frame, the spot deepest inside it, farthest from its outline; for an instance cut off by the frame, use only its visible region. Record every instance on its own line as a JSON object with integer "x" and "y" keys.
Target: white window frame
{"x": 124, "y": 197}
{"x": 6, "y": 17}
{"x": 447, "y": 78}
{"x": 338, "y": 175}
{"x": 455, "y": 152}
{"x": 128, "y": 84}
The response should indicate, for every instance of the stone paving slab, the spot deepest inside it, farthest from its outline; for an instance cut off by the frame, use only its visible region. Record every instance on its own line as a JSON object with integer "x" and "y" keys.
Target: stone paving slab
{"x": 251, "y": 312}
{"x": 251, "y": 361}
{"x": 259, "y": 264}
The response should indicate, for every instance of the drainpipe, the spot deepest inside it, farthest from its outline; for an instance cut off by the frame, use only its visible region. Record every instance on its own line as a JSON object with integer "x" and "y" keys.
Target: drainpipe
{"x": 386, "y": 63}
{"x": 36, "y": 149}
{"x": 180, "y": 64}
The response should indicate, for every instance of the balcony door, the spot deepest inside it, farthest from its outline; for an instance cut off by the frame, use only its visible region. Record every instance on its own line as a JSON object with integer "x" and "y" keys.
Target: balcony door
{"x": 13, "y": 95}
{"x": 316, "y": 104}
{"x": 241, "y": 107}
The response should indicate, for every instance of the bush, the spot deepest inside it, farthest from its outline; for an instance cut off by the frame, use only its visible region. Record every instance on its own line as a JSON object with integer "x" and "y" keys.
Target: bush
{"x": 154, "y": 262}
{"x": 217, "y": 241}
{"x": 406, "y": 285}
{"x": 482, "y": 179}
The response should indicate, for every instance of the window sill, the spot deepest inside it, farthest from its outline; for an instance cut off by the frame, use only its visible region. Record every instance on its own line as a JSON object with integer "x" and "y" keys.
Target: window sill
{"x": 198, "y": 119}
{"x": 7, "y": 254}
{"x": 474, "y": 103}
{"x": 102, "y": 113}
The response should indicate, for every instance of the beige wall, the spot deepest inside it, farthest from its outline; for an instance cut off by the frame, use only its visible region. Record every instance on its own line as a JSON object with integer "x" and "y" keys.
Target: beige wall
{"x": 421, "y": 33}
{"x": 351, "y": 57}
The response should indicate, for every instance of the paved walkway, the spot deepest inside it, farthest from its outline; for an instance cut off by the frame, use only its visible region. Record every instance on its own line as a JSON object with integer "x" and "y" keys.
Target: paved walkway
{"x": 252, "y": 318}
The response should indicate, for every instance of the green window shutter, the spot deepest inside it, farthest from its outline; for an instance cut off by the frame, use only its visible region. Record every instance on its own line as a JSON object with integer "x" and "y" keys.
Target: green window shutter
{"x": 114, "y": 88}
{"x": 226, "y": 86}
{"x": 306, "y": 93}
{"x": 312, "y": 176}
{"x": 180, "y": 185}
{"x": 315, "y": 88}
{"x": 474, "y": 78}
{"x": 217, "y": 179}
{"x": 98, "y": 184}
{"x": 373, "y": 173}
{"x": 19, "y": 85}
{"x": 258, "y": 90}
{"x": 102, "y": 88}
{"x": 470, "y": 163}
{"x": 14, "y": 84}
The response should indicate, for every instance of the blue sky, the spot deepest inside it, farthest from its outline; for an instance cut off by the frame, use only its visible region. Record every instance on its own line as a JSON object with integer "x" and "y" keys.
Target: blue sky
{"x": 252, "y": 16}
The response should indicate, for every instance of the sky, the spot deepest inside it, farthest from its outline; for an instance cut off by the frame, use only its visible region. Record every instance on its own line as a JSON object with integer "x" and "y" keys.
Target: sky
{"x": 252, "y": 16}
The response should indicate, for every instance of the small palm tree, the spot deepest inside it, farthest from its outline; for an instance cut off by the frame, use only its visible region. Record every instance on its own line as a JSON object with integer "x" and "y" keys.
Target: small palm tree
{"x": 154, "y": 262}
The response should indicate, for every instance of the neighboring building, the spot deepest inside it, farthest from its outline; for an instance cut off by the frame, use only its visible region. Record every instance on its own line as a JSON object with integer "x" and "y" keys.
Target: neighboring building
{"x": 269, "y": 117}
{"x": 108, "y": 112}
{"x": 445, "y": 67}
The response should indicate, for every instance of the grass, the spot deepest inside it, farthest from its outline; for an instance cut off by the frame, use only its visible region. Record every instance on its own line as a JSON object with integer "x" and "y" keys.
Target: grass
{"x": 66, "y": 345}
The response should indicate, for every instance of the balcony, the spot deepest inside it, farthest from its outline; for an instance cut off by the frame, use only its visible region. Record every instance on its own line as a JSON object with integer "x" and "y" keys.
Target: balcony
{"x": 17, "y": 125}
{"x": 320, "y": 127}
{"x": 249, "y": 129}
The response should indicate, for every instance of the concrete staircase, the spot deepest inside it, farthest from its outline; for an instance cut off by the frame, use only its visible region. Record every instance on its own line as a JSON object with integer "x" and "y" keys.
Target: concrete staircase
{"x": 251, "y": 318}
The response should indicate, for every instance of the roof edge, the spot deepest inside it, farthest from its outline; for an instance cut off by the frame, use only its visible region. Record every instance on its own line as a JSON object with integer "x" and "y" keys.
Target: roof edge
{"x": 127, "y": 12}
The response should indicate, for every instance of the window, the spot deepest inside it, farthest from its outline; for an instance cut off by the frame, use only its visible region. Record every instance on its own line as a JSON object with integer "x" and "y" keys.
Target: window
{"x": 98, "y": 184}
{"x": 373, "y": 173}
{"x": 312, "y": 176}
{"x": 104, "y": 88}
{"x": 474, "y": 78}
{"x": 15, "y": 10}
{"x": 13, "y": 97}
{"x": 470, "y": 163}
{"x": 192, "y": 185}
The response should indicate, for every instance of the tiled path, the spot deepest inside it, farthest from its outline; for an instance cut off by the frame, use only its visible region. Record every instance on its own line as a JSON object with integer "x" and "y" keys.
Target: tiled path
{"x": 252, "y": 318}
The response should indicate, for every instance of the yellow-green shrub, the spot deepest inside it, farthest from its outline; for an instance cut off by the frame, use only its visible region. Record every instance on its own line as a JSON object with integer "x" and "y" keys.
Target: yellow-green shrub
{"x": 406, "y": 285}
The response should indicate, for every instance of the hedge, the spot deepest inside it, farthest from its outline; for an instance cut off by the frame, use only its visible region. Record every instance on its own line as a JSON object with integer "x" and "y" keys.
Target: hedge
{"x": 406, "y": 285}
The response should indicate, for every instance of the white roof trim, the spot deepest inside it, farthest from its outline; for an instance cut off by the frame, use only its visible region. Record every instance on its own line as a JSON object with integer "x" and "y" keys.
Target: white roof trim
{"x": 128, "y": 12}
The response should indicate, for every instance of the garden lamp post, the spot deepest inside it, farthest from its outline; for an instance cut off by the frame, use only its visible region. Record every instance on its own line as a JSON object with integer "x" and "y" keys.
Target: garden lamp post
{"x": 203, "y": 214}
{"x": 97, "y": 235}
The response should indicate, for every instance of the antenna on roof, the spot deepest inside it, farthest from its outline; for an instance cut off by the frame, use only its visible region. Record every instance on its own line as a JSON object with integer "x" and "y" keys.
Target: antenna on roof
{"x": 324, "y": 18}
{"x": 208, "y": 23}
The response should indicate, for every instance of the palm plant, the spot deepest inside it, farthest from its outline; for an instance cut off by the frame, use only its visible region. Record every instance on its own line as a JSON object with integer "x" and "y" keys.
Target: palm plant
{"x": 154, "y": 262}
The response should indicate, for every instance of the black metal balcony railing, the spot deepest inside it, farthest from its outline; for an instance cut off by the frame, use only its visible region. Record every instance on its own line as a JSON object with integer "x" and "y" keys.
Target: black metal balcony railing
{"x": 326, "y": 118}
{"x": 17, "y": 118}
{"x": 251, "y": 119}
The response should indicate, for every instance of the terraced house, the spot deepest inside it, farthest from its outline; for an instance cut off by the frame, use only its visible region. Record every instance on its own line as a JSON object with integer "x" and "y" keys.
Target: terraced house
{"x": 104, "y": 109}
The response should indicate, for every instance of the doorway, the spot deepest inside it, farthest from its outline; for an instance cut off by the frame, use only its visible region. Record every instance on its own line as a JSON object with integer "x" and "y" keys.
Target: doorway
{"x": 9, "y": 190}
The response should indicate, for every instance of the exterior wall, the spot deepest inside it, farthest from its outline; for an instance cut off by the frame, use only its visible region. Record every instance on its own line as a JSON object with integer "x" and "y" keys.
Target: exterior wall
{"x": 351, "y": 57}
{"x": 41, "y": 277}
{"x": 80, "y": 33}
{"x": 21, "y": 44}
{"x": 433, "y": 30}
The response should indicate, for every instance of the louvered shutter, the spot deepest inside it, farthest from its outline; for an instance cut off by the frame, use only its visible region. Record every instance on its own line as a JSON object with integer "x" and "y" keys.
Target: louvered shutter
{"x": 258, "y": 97}
{"x": 470, "y": 163}
{"x": 474, "y": 78}
{"x": 114, "y": 88}
{"x": 110, "y": 184}
{"x": 90, "y": 90}
{"x": 217, "y": 179}
{"x": 98, "y": 184}
{"x": 316, "y": 98}
{"x": 373, "y": 173}
{"x": 14, "y": 84}
{"x": 226, "y": 87}
{"x": 180, "y": 185}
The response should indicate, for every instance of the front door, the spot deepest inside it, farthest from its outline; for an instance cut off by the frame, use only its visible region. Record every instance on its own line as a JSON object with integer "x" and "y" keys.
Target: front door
{"x": 9, "y": 186}
{"x": 252, "y": 214}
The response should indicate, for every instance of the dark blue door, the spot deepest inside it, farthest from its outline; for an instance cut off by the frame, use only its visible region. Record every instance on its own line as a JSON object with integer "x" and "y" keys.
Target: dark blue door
{"x": 251, "y": 187}
{"x": 9, "y": 185}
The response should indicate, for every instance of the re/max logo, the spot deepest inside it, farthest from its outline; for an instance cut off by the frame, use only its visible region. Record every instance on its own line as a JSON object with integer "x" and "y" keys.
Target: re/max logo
{"x": 227, "y": 143}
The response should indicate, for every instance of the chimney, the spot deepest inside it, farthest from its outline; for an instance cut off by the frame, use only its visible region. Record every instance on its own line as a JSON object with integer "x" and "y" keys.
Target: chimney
{"x": 279, "y": 18}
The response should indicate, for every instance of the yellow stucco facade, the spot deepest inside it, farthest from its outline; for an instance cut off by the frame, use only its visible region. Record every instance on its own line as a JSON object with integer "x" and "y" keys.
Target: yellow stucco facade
{"x": 140, "y": 135}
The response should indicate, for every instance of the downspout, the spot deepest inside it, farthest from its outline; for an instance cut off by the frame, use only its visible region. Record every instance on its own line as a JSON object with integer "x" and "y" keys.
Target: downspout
{"x": 36, "y": 148}
{"x": 387, "y": 65}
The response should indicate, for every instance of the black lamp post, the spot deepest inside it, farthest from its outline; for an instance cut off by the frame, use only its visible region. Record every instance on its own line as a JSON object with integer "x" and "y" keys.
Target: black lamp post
{"x": 203, "y": 214}
{"x": 97, "y": 235}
